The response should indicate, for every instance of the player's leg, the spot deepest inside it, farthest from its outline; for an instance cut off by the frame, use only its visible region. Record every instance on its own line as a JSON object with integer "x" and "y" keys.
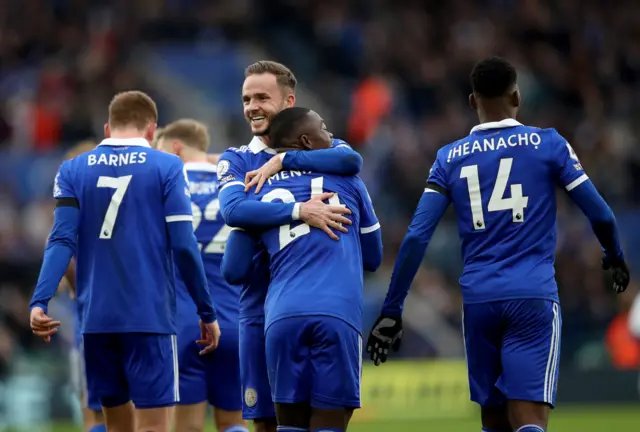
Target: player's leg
{"x": 288, "y": 354}
{"x": 190, "y": 418}
{"x": 482, "y": 333}
{"x": 190, "y": 411}
{"x": 107, "y": 382}
{"x": 152, "y": 374}
{"x": 336, "y": 367}
{"x": 92, "y": 413}
{"x": 256, "y": 392}
{"x": 530, "y": 357}
{"x": 224, "y": 391}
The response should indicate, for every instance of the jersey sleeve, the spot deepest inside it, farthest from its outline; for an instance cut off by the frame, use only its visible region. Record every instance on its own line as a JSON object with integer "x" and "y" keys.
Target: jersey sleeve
{"x": 437, "y": 180}
{"x": 231, "y": 170}
{"x": 565, "y": 164}
{"x": 177, "y": 198}
{"x": 340, "y": 159}
{"x": 368, "y": 219}
{"x": 62, "y": 185}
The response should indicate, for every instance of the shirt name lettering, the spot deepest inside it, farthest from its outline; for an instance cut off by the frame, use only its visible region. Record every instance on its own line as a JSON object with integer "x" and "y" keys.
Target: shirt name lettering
{"x": 117, "y": 159}
{"x": 494, "y": 144}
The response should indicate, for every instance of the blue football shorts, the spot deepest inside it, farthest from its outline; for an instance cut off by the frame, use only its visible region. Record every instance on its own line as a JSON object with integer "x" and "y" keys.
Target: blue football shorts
{"x": 79, "y": 381}
{"x": 315, "y": 359}
{"x": 138, "y": 367}
{"x": 214, "y": 377}
{"x": 513, "y": 350}
{"x": 256, "y": 391}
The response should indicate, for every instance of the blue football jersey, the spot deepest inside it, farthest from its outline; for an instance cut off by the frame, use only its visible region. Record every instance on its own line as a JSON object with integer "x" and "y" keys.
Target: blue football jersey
{"x": 211, "y": 233}
{"x": 233, "y": 164}
{"x": 502, "y": 181}
{"x": 127, "y": 193}
{"x": 311, "y": 274}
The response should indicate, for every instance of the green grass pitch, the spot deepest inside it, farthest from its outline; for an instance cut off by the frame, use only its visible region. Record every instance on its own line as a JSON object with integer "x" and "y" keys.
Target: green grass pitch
{"x": 567, "y": 419}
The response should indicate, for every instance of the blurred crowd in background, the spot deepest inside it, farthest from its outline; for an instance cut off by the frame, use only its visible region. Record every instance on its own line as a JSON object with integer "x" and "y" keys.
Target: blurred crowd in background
{"x": 390, "y": 77}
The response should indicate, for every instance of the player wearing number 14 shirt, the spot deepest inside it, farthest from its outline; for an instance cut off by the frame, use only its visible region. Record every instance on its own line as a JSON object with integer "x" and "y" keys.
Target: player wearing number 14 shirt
{"x": 502, "y": 180}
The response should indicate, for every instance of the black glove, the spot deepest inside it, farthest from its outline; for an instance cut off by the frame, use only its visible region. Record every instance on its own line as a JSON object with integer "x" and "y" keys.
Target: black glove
{"x": 386, "y": 333}
{"x": 619, "y": 273}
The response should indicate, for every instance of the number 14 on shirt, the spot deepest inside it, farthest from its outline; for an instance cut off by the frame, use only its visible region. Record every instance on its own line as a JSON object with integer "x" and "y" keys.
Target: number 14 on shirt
{"x": 516, "y": 203}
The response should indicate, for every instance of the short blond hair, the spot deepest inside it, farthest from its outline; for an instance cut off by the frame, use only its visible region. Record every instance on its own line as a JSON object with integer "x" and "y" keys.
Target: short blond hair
{"x": 79, "y": 148}
{"x": 284, "y": 76}
{"x": 190, "y": 132}
{"x": 132, "y": 109}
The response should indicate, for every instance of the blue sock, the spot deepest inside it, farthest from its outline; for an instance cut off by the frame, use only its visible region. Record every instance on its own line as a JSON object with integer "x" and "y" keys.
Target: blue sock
{"x": 236, "y": 428}
{"x": 530, "y": 428}
{"x": 291, "y": 429}
{"x": 99, "y": 428}
{"x": 328, "y": 430}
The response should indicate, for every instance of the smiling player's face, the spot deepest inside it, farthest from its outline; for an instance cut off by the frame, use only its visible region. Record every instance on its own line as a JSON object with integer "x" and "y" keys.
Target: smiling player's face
{"x": 262, "y": 99}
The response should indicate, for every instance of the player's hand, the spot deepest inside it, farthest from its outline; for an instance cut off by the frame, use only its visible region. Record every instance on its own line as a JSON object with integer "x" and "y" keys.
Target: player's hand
{"x": 213, "y": 158}
{"x": 386, "y": 333}
{"x": 324, "y": 216}
{"x": 619, "y": 273}
{"x": 42, "y": 325}
{"x": 209, "y": 336}
{"x": 258, "y": 177}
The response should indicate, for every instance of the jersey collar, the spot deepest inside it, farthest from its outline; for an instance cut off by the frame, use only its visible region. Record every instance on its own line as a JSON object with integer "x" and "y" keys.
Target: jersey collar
{"x": 508, "y": 122}
{"x": 141, "y": 142}
{"x": 200, "y": 166}
{"x": 256, "y": 146}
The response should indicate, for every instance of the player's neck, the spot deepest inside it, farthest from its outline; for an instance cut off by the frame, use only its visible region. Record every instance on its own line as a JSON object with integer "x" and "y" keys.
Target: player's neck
{"x": 126, "y": 134}
{"x": 496, "y": 113}
{"x": 495, "y": 117}
{"x": 192, "y": 156}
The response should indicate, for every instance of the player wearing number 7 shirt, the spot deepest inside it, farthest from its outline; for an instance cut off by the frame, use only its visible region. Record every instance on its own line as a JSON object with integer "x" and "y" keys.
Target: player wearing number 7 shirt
{"x": 124, "y": 211}
{"x": 215, "y": 377}
{"x": 501, "y": 180}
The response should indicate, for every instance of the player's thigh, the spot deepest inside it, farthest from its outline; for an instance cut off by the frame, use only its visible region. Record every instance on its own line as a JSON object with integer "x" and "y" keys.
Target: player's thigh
{"x": 254, "y": 379}
{"x": 152, "y": 369}
{"x": 532, "y": 344}
{"x": 482, "y": 333}
{"x": 287, "y": 344}
{"x": 190, "y": 418}
{"x": 105, "y": 369}
{"x": 336, "y": 364}
{"x": 223, "y": 373}
{"x": 191, "y": 366}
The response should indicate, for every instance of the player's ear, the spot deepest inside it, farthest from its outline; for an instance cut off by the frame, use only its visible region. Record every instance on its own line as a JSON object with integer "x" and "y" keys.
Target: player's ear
{"x": 177, "y": 147}
{"x": 472, "y": 102}
{"x": 290, "y": 100}
{"x": 150, "y": 131}
{"x": 516, "y": 98}
{"x": 306, "y": 142}
{"x": 107, "y": 131}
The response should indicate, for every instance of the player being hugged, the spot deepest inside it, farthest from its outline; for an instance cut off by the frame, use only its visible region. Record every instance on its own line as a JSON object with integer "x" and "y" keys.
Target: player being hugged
{"x": 124, "y": 211}
{"x": 268, "y": 88}
{"x": 502, "y": 182}
{"x": 313, "y": 309}
{"x": 214, "y": 377}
